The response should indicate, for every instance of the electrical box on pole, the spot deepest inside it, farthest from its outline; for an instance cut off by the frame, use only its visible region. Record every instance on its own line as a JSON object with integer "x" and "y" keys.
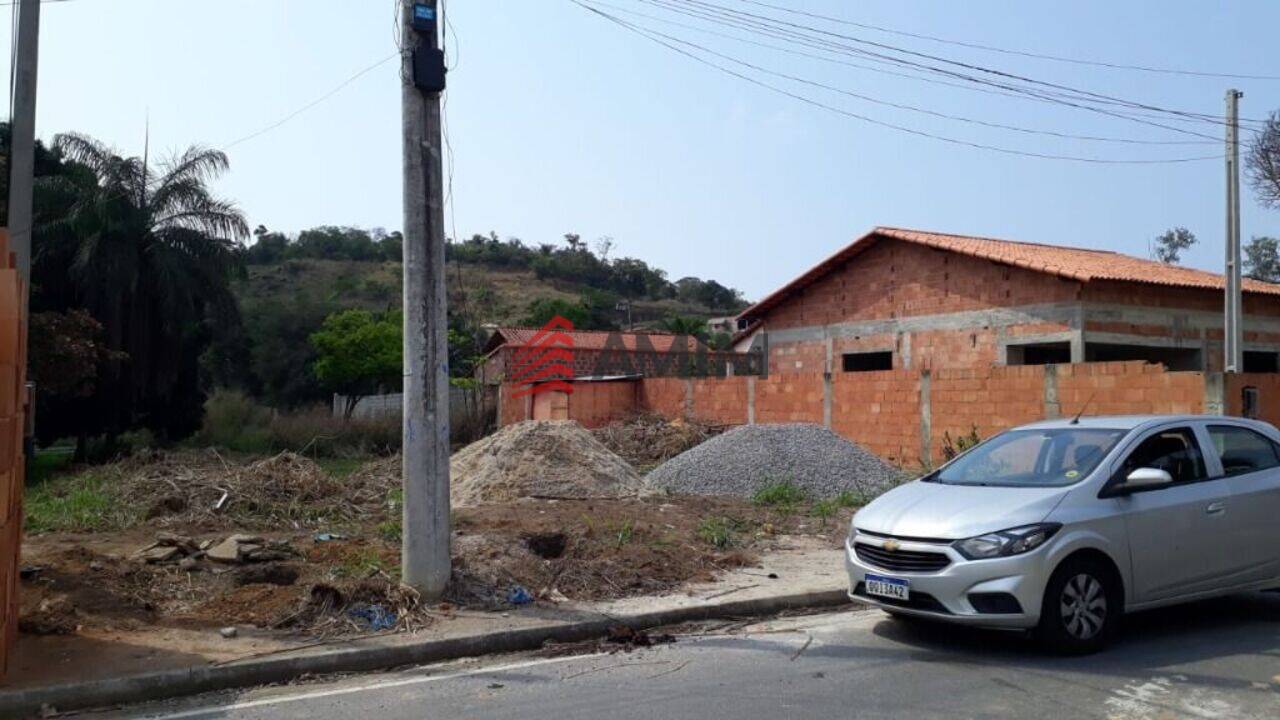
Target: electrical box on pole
{"x": 428, "y": 60}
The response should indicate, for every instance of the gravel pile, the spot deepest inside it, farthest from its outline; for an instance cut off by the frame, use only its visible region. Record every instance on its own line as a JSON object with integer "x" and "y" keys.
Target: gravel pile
{"x": 557, "y": 459}
{"x": 747, "y": 458}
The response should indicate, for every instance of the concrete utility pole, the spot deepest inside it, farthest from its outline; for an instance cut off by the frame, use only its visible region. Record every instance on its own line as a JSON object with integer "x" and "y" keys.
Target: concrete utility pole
{"x": 1233, "y": 331}
{"x": 22, "y": 138}
{"x": 425, "y": 531}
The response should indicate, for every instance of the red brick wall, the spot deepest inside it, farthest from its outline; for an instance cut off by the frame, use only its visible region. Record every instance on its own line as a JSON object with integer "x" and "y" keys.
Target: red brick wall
{"x": 598, "y": 403}
{"x": 791, "y": 398}
{"x": 511, "y": 409}
{"x": 899, "y": 279}
{"x": 989, "y": 399}
{"x": 880, "y": 411}
{"x": 1268, "y": 386}
{"x": 1128, "y": 388}
{"x": 664, "y": 396}
{"x": 721, "y": 401}
{"x": 895, "y": 279}
{"x": 13, "y": 407}
{"x": 501, "y": 366}
{"x": 1159, "y": 296}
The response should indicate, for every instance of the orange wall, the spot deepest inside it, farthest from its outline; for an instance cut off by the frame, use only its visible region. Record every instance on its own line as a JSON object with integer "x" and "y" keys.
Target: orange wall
{"x": 882, "y": 411}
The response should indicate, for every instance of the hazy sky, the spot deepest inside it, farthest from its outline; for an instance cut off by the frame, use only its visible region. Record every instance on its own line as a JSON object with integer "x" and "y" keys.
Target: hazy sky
{"x": 563, "y": 122}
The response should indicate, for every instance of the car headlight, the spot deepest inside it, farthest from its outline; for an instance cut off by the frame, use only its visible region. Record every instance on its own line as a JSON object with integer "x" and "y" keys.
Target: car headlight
{"x": 1013, "y": 541}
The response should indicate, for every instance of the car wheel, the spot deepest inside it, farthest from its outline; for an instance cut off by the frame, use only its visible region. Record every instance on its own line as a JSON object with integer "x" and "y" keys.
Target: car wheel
{"x": 1081, "y": 608}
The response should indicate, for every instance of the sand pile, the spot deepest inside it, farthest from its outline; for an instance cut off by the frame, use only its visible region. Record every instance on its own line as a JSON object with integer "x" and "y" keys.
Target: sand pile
{"x": 556, "y": 459}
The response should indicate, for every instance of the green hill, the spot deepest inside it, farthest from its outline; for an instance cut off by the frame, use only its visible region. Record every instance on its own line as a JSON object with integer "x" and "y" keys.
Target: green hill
{"x": 292, "y": 284}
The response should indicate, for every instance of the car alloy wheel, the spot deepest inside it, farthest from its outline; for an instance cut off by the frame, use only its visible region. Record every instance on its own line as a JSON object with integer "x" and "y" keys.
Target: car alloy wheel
{"x": 1083, "y": 605}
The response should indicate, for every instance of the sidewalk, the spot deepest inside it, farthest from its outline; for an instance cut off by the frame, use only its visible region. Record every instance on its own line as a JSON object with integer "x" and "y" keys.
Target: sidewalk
{"x": 80, "y": 671}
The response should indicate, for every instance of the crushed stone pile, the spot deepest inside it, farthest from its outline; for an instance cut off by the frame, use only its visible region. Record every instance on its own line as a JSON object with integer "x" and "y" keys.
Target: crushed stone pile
{"x": 749, "y": 457}
{"x": 556, "y": 459}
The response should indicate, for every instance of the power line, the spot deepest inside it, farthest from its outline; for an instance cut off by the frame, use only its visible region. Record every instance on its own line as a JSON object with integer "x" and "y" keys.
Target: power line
{"x": 915, "y": 108}
{"x": 764, "y": 24}
{"x": 313, "y": 103}
{"x": 1069, "y": 100}
{"x": 912, "y": 131}
{"x": 1007, "y": 51}
{"x": 818, "y": 45}
{"x": 277, "y": 123}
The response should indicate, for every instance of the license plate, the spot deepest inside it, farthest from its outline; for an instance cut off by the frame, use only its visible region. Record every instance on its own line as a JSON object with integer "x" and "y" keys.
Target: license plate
{"x": 887, "y": 587}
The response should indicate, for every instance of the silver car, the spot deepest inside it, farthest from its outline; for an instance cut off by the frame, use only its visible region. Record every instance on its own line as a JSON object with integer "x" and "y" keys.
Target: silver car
{"x": 1063, "y": 526}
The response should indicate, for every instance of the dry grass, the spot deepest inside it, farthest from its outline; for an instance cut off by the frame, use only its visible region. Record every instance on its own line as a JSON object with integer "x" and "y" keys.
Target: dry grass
{"x": 648, "y": 440}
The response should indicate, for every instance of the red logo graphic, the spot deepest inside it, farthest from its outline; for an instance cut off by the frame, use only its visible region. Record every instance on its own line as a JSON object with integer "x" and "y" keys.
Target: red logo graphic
{"x": 546, "y": 363}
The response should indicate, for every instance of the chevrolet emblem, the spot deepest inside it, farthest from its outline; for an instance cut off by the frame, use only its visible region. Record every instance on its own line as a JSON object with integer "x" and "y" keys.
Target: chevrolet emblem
{"x": 892, "y": 545}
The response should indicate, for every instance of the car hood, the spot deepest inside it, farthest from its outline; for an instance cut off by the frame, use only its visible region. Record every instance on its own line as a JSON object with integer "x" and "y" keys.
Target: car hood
{"x": 951, "y": 512}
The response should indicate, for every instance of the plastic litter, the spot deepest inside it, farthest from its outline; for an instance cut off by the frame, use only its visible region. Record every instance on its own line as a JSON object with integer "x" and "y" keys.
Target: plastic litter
{"x": 519, "y": 596}
{"x": 378, "y": 617}
{"x": 328, "y": 537}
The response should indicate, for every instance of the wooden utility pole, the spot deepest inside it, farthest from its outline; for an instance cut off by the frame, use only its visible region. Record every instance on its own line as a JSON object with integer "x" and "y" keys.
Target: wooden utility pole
{"x": 22, "y": 139}
{"x": 425, "y": 530}
{"x": 1233, "y": 331}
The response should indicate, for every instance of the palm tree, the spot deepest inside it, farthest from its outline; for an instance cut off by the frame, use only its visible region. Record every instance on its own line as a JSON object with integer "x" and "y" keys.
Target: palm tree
{"x": 150, "y": 254}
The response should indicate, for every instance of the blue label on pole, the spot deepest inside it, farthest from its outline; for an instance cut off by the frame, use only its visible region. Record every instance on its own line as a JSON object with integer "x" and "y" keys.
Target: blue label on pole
{"x": 423, "y": 12}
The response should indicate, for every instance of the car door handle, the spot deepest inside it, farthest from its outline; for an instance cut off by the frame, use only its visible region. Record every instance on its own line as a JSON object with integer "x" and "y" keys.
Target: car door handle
{"x": 1216, "y": 508}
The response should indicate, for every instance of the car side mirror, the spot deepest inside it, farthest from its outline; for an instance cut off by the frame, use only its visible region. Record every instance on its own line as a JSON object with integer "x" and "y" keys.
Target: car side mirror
{"x": 1144, "y": 478}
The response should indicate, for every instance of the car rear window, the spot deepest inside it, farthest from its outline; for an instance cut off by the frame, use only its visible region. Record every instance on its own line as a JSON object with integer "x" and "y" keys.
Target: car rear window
{"x": 1242, "y": 450}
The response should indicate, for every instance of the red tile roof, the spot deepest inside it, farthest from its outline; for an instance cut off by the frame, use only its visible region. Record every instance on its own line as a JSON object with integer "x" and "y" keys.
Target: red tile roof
{"x": 1080, "y": 264}
{"x": 600, "y": 340}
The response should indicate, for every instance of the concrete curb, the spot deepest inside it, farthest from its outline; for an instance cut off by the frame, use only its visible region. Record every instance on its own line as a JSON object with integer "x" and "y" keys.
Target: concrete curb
{"x": 375, "y": 656}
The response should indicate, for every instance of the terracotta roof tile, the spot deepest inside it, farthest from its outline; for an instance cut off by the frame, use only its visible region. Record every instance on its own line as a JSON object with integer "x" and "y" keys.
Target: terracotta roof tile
{"x": 1080, "y": 264}
{"x": 599, "y": 340}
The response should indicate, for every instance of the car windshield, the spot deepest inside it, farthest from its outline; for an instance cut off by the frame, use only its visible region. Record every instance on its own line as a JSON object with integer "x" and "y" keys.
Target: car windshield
{"x": 1032, "y": 458}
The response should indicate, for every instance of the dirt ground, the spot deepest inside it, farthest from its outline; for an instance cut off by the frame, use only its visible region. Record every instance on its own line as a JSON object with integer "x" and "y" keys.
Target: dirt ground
{"x": 346, "y": 583}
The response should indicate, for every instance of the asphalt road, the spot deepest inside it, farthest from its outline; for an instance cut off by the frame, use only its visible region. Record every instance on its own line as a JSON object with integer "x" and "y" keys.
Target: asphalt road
{"x": 1219, "y": 659}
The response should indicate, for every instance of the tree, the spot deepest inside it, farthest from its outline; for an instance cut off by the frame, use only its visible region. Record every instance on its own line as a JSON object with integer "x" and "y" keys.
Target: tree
{"x": 1262, "y": 259}
{"x": 66, "y": 350}
{"x": 543, "y": 309}
{"x": 679, "y": 325}
{"x": 359, "y": 353}
{"x": 1262, "y": 165}
{"x": 149, "y": 252}
{"x": 721, "y": 341}
{"x": 268, "y": 247}
{"x": 1169, "y": 246}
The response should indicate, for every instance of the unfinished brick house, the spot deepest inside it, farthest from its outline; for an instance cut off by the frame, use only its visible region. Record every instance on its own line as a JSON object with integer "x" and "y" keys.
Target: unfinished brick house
{"x": 597, "y": 353}
{"x": 906, "y": 299}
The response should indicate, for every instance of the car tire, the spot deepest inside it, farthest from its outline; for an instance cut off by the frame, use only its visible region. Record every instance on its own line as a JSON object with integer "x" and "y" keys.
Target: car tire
{"x": 1081, "y": 608}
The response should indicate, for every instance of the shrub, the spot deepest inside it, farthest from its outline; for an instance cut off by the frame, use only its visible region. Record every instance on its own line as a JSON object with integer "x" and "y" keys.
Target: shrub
{"x": 317, "y": 432}
{"x": 722, "y": 531}
{"x": 235, "y": 422}
{"x": 232, "y": 420}
{"x": 781, "y": 494}
{"x": 951, "y": 447}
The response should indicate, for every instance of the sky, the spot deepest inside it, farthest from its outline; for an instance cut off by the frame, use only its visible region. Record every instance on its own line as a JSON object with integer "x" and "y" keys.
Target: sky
{"x": 562, "y": 121}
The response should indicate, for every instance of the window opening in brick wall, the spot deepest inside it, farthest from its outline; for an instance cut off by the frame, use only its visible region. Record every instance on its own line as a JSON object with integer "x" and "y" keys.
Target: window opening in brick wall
{"x": 867, "y": 361}
{"x": 1039, "y": 354}
{"x": 1249, "y": 402}
{"x": 1261, "y": 361}
{"x": 1171, "y": 357}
